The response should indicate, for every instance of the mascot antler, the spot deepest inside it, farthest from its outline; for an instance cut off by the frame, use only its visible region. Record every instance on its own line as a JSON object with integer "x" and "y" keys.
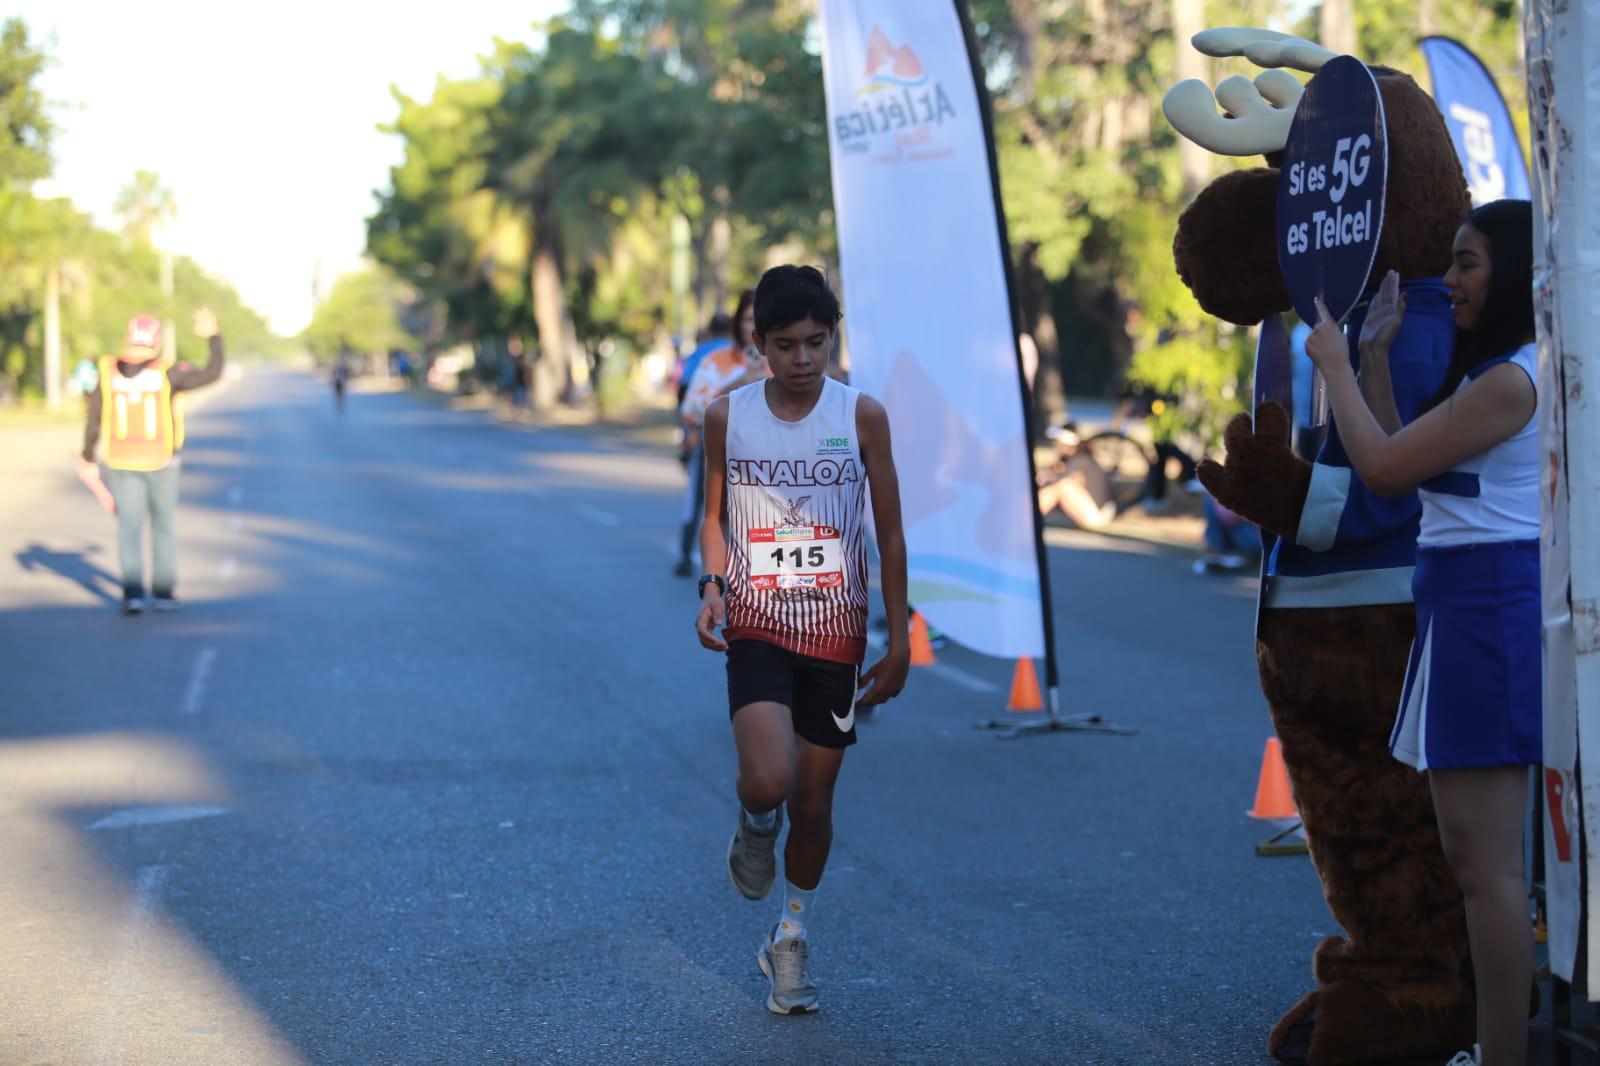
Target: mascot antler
{"x": 1257, "y": 113}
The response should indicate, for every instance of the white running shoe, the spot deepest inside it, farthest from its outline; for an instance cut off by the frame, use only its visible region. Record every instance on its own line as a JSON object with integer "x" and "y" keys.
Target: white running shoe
{"x": 1468, "y": 1058}
{"x": 784, "y": 964}
{"x": 753, "y": 856}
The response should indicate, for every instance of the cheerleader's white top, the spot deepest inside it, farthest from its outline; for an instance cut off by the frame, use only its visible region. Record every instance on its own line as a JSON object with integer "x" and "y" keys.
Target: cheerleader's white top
{"x": 1494, "y": 496}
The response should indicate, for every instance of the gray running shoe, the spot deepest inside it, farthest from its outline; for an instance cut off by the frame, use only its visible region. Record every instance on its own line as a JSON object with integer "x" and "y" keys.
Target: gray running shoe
{"x": 133, "y": 605}
{"x": 753, "y": 857}
{"x": 164, "y": 603}
{"x": 784, "y": 964}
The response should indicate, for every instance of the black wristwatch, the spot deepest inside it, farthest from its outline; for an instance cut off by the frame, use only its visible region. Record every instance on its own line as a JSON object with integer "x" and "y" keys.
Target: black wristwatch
{"x": 706, "y": 579}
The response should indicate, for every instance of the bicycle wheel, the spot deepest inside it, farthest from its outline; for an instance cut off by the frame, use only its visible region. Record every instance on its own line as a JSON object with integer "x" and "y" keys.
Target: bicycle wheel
{"x": 1126, "y": 465}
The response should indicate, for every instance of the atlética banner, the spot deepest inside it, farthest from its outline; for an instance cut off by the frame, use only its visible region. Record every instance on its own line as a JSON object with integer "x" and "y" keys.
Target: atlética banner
{"x": 928, "y": 312}
{"x": 1479, "y": 123}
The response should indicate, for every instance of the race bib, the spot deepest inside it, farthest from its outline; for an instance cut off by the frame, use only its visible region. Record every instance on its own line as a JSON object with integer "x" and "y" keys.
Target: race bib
{"x": 796, "y": 557}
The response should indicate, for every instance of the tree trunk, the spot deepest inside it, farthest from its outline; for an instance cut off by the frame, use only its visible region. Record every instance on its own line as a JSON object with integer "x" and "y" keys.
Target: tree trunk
{"x": 52, "y": 337}
{"x": 553, "y": 372}
{"x": 721, "y": 243}
{"x": 1188, "y": 19}
{"x": 1336, "y": 26}
{"x": 1049, "y": 399}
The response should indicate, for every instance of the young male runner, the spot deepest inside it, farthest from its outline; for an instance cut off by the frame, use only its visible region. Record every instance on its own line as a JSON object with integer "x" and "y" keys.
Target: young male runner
{"x": 787, "y": 465}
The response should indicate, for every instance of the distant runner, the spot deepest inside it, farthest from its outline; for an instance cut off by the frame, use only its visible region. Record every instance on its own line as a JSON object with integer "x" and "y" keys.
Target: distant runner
{"x": 788, "y": 460}
{"x": 136, "y": 409}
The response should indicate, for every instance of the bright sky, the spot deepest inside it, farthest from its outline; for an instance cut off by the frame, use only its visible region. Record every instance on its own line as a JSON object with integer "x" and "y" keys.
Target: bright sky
{"x": 260, "y": 118}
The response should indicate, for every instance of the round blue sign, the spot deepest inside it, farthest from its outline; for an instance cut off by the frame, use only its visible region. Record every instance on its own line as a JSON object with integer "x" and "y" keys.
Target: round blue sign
{"x": 1331, "y": 189}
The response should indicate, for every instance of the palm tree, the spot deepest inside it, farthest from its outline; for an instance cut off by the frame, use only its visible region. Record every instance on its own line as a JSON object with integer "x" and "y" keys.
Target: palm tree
{"x": 144, "y": 205}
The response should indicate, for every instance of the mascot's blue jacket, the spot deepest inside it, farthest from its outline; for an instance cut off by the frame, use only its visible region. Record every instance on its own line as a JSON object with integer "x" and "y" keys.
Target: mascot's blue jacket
{"x": 1354, "y": 547}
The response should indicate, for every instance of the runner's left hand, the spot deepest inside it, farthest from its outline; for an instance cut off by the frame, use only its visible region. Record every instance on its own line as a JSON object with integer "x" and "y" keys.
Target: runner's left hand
{"x": 885, "y": 679}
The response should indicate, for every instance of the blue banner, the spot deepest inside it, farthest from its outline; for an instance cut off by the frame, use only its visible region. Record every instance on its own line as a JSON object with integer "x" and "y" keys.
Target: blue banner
{"x": 1479, "y": 122}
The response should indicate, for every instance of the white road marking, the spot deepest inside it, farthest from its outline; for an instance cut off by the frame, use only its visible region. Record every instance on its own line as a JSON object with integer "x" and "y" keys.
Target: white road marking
{"x": 957, "y": 676}
{"x": 134, "y": 816}
{"x": 230, "y": 566}
{"x": 196, "y": 692}
{"x": 595, "y": 514}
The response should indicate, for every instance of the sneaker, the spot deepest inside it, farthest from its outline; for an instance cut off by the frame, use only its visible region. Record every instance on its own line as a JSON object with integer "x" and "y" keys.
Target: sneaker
{"x": 753, "y": 857}
{"x": 1467, "y": 1058}
{"x": 132, "y": 605}
{"x": 164, "y": 603}
{"x": 685, "y": 568}
{"x": 784, "y": 964}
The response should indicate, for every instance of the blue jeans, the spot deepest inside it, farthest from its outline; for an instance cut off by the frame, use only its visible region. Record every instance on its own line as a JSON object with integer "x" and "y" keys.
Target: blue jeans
{"x": 139, "y": 493}
{"x": 1240, "y": 538}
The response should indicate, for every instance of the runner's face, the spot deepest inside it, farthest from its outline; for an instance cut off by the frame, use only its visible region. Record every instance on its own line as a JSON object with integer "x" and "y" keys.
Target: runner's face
{"x": 1468, "y": 277}
{"x": 798, "y": 353}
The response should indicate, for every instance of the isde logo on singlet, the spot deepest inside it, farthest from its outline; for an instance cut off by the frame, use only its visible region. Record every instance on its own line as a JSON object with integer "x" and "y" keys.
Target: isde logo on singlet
{"x": 834, "y": 446}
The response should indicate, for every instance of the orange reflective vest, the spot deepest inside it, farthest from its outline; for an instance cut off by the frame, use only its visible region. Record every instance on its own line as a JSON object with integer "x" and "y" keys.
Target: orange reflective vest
{"x": 141, "y": 421}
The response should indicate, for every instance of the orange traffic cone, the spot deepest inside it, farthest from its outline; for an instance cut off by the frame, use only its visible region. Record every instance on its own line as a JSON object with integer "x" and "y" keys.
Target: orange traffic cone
{"x": 1025, "y": 688}
{"x": 921, "y": 647}
{"x": 1273, "y": 798}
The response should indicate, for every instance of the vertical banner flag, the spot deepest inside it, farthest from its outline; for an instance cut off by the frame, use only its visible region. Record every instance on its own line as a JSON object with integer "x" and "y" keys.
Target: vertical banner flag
{"x": 928, "y": 312}
{"x": 1478, "y": 120}
{"x": 1564, "y": 113}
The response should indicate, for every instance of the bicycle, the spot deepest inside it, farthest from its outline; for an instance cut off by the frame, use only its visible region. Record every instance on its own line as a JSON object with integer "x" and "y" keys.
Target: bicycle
{"x": 1124, "y": 462}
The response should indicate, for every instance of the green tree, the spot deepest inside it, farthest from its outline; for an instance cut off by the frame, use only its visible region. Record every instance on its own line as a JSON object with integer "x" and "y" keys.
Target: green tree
{"x": 144, "y": 205}
{"x": 25, "y": 126}
{"x": 363, "y": 315}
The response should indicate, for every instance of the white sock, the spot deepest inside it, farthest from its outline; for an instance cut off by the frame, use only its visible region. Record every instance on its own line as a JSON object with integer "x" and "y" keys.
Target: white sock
{"x": 763, "y": 821}
{"x": 796, "y": 912}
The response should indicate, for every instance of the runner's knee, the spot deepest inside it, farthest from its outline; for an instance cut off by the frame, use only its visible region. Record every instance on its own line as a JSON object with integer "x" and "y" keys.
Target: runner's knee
{"x": 765, "y": 789}
{"x": 810, "y": 809}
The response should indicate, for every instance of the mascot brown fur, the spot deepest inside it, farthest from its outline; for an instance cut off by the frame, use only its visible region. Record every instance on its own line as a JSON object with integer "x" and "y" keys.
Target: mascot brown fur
{"x": 1397, "y": 984}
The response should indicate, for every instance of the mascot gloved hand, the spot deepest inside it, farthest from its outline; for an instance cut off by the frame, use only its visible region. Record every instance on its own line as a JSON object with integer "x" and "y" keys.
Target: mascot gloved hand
{"x": 1337, "y": 620}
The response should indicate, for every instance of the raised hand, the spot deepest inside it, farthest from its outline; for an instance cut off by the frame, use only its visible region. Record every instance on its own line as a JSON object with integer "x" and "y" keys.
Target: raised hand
{"x": 1384, "y": 314}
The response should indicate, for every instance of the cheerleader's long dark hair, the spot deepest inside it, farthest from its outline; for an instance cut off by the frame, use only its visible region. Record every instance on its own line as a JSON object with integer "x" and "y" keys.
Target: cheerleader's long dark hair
{"x": 1506, "y": 322}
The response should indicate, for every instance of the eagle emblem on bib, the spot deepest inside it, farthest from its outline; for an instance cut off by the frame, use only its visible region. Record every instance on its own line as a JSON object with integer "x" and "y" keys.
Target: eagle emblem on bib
{"x": 792, "y": 515}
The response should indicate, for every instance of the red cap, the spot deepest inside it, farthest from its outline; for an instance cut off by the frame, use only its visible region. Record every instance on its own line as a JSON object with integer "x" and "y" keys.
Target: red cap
{"x": 144, "y": 336}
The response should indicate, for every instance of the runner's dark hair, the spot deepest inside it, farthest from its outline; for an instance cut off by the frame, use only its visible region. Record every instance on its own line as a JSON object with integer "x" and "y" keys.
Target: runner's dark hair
{"x": 1506, "y": 322}
{"x": 789, "y": 294}
{"x": 746, "y": 298}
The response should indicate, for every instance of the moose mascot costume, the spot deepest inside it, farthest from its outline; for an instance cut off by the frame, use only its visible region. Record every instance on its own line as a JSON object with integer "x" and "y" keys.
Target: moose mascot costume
{"x": 1337, "y": 620}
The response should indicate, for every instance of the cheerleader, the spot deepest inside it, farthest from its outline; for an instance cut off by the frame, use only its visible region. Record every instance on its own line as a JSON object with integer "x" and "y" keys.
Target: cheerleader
{"x": 1470, "y": 713}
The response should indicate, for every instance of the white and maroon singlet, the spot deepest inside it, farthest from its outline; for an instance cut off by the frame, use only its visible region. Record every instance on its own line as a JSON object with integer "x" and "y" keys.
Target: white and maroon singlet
{"x": 796, "y": 513}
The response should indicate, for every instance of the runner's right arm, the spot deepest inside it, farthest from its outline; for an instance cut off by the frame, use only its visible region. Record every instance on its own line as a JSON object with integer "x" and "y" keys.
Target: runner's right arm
{"x": 713, "y": 545}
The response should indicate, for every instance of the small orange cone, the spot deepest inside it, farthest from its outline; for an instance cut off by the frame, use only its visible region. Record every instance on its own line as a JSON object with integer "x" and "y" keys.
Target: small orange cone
{"x": 921, "y": 647}
{"x": 1273, "y": 798}
{"x": 1025, "y": 694}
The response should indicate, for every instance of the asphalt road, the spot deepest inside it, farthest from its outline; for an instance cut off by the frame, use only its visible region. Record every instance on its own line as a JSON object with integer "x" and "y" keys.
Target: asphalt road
{"x": 430, "y": 769}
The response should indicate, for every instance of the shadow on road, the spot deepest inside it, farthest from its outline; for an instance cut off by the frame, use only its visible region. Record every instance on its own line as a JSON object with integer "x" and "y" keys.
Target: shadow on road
{"x": 75, "y": 566}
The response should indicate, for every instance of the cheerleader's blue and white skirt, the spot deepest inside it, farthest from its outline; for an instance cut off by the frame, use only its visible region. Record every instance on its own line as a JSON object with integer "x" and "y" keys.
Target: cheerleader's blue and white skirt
{"x": 1472, "y": 695}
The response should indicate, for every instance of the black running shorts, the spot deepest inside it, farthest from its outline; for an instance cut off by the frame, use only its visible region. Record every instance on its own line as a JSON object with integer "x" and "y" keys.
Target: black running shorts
{"x": 820, "y": 695}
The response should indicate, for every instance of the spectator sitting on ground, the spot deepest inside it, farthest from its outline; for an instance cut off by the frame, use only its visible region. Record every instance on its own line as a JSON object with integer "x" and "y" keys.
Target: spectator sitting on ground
{"x": 1077, "y": 485}
{"x": 1232, "y": 544}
